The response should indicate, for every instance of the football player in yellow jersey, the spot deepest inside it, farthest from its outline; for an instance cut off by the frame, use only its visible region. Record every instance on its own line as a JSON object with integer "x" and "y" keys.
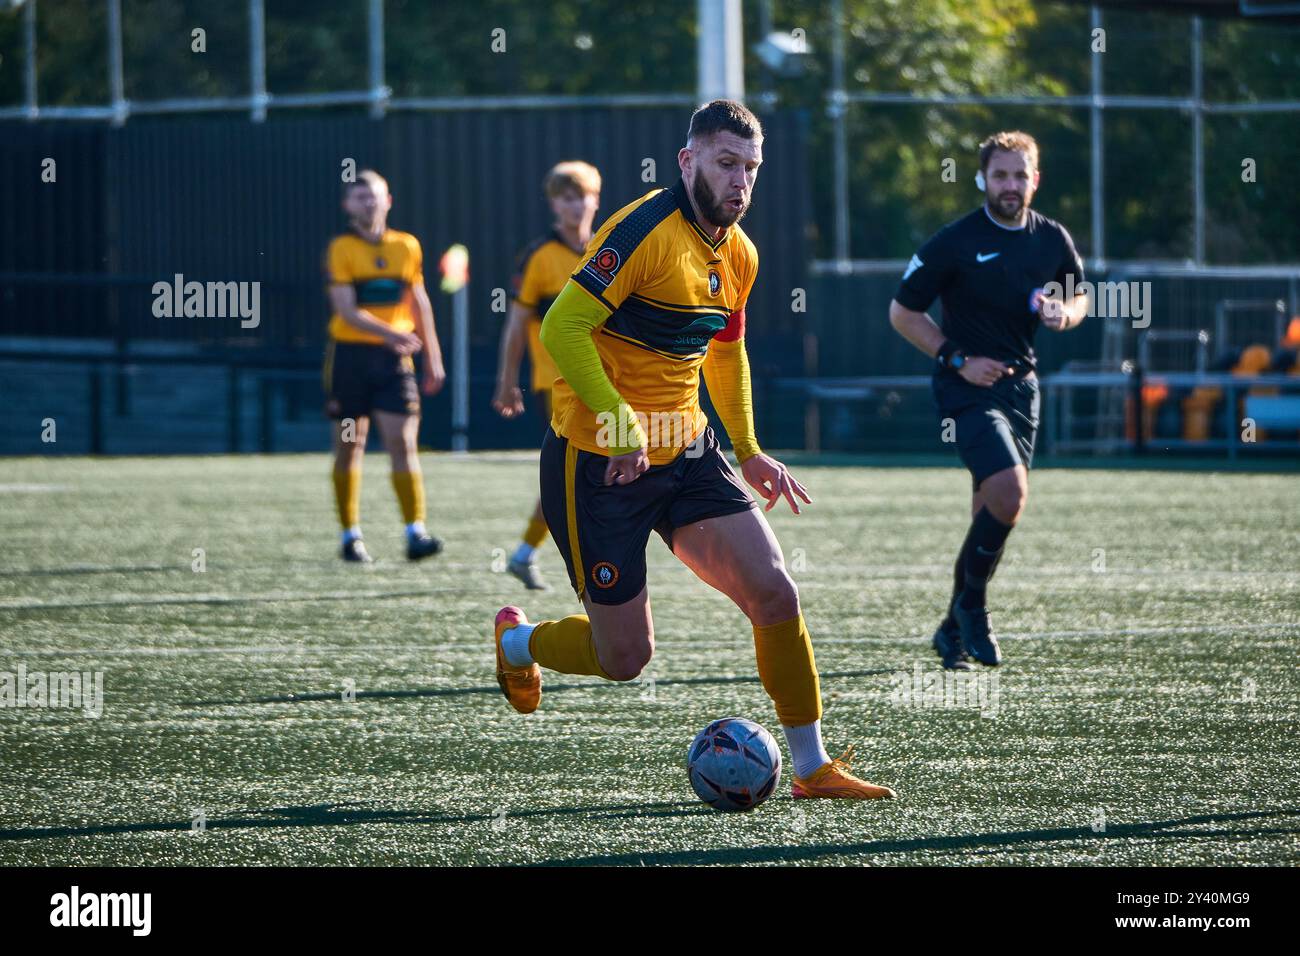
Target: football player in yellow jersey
{"x": 659, "y": 298}
{"x": 573, "y": 189}
{"x": 382, "y": 319}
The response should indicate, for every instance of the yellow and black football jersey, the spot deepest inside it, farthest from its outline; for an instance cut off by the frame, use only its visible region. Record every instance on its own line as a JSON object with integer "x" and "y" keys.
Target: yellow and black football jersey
{"x": 543, "y": 268}
{"x": 382, "y": 274}
{"x": 669, "y": 290}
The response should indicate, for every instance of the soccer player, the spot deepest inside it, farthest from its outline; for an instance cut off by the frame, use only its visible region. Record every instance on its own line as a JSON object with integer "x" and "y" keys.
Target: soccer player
{"x": 990, "y": 269}
{"x": 661, "y": 296}
{"x": 382, "y": 319}
{"x": 573, "y": 189}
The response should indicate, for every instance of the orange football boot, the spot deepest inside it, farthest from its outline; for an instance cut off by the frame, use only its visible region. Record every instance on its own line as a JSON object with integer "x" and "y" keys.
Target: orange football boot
{"x": 833, "y": 780}
{"x": 521, "y": 685}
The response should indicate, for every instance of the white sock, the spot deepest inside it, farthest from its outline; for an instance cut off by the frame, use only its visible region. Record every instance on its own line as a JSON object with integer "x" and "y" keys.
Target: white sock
{"x": 351, "y": 534}
{"x": 416, "y": 530}
{"x": 806, "y": 748}
{"x": 524, "y": 553}
{"x": 514, "y": 644}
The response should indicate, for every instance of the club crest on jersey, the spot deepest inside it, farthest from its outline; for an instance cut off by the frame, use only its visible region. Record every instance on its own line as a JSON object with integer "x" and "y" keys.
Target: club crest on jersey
{"x": 715, "y": 282}
{"x": 381, "y": 263}
{"x": 603, "y": 265}
{"x": 604, "y": 574}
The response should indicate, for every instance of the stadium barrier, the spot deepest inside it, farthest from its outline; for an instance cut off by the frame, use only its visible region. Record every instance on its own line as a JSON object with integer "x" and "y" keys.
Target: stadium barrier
{"x": 1255, "y": 415}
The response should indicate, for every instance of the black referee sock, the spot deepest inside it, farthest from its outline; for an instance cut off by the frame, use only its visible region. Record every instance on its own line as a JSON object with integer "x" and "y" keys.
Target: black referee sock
{"x": 980, "y": 555}
{"x": 958, "y": 582}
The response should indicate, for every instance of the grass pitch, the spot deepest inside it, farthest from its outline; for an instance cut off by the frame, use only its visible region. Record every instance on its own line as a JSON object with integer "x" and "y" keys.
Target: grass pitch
{"x": 1147, "y": 713}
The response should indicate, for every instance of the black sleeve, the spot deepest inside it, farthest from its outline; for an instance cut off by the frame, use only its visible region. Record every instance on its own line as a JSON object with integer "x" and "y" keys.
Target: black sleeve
{"x": 1071, "y": 263}
{"x": 927, "y": 273}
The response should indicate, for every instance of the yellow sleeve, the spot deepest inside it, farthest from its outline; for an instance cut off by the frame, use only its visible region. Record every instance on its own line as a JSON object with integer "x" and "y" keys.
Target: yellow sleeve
{"x": 726, "y": 373}
{"x": 338, "y": 267}
{"x": 566, "y": 334}
{"x": 416, "y": 267}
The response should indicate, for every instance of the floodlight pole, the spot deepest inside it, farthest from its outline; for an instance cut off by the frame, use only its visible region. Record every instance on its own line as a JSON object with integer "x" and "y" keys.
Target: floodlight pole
{"x": 116, "y": 84}
{"x": 257, "y": 60}
{"x": 719, "y": 51}
{"x": 29, "y": 60}
{"x": 837, "y": 108}
{"x": 1097, "y": 166}
{"x": 378, "y": 92}
{"x": 1198, "y": 147}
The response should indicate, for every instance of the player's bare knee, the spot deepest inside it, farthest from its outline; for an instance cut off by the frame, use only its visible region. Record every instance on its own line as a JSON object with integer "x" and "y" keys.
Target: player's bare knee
{"x": 628, "y": 663}
{"x": 774, "y": 598}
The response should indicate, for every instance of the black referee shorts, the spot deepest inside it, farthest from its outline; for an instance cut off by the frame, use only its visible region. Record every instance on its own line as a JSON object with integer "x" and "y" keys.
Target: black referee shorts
{"x": 360, "y": 378}
{"x": 995, "y": 426}
{"x": 602, "y": 530}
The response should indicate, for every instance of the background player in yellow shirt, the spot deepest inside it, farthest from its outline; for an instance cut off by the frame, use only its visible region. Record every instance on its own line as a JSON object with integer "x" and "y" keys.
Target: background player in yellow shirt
{"x": 573, "y": 189}
{"x": 382, "y": 319}
{"x": 660, "y": 298}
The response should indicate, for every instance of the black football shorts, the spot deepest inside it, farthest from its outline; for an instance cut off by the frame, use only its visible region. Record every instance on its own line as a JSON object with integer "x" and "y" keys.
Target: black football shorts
{"x": 360, "y": 378}
{"x": 602, "y": 530}
{"x": 995, "y": 426}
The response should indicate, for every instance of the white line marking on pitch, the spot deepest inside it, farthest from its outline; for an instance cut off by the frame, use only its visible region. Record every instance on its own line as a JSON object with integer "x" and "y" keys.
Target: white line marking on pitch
{"x": 739, "y": 642}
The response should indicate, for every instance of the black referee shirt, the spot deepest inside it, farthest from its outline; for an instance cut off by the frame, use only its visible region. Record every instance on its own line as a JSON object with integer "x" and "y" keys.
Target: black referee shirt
{"x": 985, "y": 274}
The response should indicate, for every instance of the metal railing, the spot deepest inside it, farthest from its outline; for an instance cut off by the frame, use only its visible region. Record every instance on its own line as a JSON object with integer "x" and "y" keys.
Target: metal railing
{"x": 1062, "y": 421}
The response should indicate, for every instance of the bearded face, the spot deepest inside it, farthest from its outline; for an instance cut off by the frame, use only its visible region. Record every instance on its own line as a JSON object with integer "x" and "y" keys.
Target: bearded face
{"x": 723, "y": 170}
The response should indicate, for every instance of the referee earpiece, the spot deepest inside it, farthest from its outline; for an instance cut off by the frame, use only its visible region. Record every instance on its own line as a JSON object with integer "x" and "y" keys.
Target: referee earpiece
{"x": 979, "y": 181}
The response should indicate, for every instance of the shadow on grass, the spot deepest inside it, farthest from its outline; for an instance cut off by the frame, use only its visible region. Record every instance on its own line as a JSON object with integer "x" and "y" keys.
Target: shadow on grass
{"x": 964, "y": 843}
{"x": 494, "y": 690}
{"x": 356, "y": 813}
{"x": 181, "y": 600}
{"x": 352, "y": 814}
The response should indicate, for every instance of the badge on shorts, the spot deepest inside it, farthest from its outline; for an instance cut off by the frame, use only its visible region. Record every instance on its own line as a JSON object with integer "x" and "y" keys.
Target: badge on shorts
{"x": 715, "y": 282}
{"x": 604, "y": 574}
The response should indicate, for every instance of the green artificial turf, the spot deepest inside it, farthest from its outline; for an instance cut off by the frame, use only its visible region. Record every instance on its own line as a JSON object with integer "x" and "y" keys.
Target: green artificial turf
{"x": 1147, "y": 712}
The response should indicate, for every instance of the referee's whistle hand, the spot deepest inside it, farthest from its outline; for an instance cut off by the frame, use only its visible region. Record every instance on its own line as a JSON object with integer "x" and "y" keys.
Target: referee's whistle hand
{"x": 984, "y": 371}
{"x": 624, "y": 469}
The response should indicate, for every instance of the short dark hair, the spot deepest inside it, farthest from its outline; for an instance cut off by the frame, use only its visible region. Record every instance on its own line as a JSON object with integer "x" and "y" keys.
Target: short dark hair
{"x": 1009, "y": 141}
{"x": 729, "y": 116}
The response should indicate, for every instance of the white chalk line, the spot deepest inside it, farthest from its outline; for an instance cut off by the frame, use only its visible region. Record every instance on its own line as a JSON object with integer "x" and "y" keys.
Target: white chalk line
{"x": 740, "y": 641}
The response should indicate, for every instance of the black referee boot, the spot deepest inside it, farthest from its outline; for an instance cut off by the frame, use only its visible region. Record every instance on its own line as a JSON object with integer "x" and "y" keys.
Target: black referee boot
{"x": 977, "y": 638}
{"x": 947, "y": 644}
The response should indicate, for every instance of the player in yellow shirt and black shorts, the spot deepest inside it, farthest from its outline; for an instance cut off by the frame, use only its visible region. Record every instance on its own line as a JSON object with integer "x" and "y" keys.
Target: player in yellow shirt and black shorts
{"x": 382, "y": 319}
{"x": 659, "y": 299}
{"x": 573, "y": 189}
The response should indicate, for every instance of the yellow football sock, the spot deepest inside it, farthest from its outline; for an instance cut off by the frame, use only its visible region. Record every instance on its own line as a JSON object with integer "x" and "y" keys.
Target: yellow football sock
{"x": 536, "y": 533}
{"x": 788, "y": 671}
{"x": 347, "y": 497}
{"x": 566, "y": 646}
{"x": 409, "y": 486}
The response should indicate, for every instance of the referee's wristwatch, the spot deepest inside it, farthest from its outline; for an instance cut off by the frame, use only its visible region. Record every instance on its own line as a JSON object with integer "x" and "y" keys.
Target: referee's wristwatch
{"x": 951, "y": 357}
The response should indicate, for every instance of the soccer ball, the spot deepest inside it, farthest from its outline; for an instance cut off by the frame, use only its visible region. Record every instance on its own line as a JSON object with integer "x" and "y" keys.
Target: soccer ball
{"x": 734, "y": 764}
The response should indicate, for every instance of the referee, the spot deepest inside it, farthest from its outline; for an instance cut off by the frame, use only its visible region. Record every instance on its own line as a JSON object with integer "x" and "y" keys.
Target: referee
{"x": 989, "y": 269}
